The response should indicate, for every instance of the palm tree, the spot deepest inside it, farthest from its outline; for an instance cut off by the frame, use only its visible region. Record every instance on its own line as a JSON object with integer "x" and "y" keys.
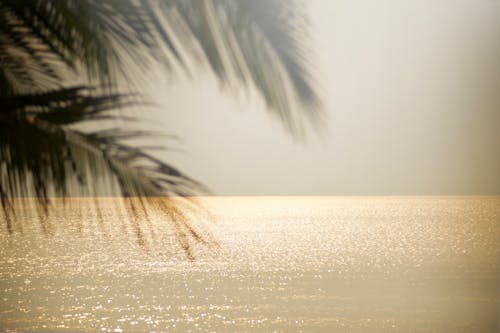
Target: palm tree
{"x": 64, "y": 63}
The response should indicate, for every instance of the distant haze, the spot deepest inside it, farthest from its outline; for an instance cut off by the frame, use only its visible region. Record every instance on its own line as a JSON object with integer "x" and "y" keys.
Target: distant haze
{"x": 412, "y": 94}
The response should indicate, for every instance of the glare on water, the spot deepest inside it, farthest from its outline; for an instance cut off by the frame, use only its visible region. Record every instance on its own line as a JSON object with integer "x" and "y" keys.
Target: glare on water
{"x": 311, "y": 264}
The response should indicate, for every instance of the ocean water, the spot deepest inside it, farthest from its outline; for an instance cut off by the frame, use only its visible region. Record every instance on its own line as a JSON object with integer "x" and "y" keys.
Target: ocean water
{"x": 282, "y": 264}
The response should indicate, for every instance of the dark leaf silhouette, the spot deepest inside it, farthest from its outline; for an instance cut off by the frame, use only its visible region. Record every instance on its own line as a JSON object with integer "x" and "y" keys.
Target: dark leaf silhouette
{"x": 46, "y": 46}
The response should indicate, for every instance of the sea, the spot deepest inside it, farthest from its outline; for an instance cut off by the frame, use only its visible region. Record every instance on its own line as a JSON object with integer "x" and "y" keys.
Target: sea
{"x": 253, "y": 264}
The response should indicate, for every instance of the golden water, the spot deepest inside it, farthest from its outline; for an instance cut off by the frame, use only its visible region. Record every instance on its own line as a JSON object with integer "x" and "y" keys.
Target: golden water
{"x": 286, "y": 264}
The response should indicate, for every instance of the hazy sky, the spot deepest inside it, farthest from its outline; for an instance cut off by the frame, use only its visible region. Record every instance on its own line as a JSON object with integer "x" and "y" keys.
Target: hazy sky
{"x": 412, "y": 93}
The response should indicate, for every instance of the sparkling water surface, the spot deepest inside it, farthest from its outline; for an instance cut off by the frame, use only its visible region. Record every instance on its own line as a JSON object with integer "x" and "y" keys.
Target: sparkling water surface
{"x": 285, "y": 264}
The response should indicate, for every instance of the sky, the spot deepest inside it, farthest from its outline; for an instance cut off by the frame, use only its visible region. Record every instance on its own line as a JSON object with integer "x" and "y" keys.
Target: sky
{"x": 411, "y": 90}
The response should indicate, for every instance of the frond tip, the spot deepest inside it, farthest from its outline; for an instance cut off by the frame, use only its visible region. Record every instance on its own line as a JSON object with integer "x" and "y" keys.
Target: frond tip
{"x": 260, "y": 44}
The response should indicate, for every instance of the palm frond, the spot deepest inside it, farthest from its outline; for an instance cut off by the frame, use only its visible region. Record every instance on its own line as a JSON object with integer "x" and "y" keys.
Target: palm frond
{"x": 42, "y": 156}
{"x": 259, "y": 43}
{"x": 46, "y": 44}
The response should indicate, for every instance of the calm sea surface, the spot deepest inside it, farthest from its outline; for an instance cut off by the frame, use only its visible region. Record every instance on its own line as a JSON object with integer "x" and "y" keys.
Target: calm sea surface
{"x": 286, "y": 264}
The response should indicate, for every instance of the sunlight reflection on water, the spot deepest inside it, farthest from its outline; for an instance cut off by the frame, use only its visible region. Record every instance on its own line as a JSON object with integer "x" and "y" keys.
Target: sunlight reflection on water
{"x": 312, "y": 264}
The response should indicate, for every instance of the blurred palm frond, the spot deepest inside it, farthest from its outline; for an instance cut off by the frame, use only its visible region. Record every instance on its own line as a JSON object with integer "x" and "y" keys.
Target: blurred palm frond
{"x": 41, "y": 156}
{"x": 259, "y": 43}
{"x": 48, "y": 46}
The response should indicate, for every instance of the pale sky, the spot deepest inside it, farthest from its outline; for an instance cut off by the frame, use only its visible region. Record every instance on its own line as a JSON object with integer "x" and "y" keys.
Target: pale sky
{"x": 412, "y": 94}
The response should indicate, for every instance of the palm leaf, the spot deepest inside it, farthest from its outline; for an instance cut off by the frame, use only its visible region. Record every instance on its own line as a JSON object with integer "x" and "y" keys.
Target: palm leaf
{"x": 258, "y": 43}
{"x": 44, "y": 44}
{"x": 42, "y": 156}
